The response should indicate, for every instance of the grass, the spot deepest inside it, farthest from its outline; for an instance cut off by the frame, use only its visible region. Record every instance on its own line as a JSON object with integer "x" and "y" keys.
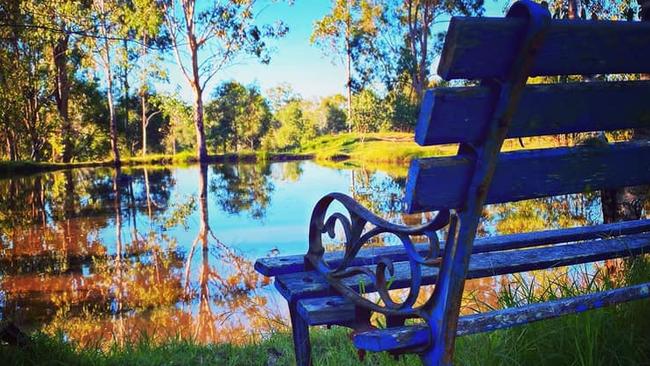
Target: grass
{"x": 330, "y": 348}
{"x": 388, "y": 147}
{"x": 617, "y": 335}
{"x": 24, "y": 167}
{"x": 394, "y": 147}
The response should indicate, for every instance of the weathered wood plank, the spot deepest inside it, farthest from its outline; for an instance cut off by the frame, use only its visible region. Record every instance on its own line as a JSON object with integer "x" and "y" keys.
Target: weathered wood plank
{"x": 478, "y": 48}
{"x": 273, "y": 266}
{"x": 416, "y": 335}
{"x": 436, "y": 183}
{"x": 295, "y": 286}
{"x": 451, "y": 115}
{"x": 326, "y": 310}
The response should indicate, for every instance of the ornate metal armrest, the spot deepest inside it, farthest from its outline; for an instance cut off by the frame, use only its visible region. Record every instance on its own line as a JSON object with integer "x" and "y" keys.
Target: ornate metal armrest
{"x": 355, "y": 238}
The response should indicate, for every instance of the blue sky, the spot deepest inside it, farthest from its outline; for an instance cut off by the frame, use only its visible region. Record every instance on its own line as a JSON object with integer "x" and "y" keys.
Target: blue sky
{"x": 295, "y": 61}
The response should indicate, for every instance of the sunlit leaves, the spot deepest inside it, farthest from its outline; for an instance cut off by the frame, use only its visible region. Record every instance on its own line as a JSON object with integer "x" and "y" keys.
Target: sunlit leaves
{"x": 237, "y": 118}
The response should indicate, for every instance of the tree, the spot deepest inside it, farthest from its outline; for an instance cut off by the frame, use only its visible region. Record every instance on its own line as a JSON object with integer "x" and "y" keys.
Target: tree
{"x": 371, "y": 113}
{"x": 292, "y": 127}
{"x": 28, "y": 75}
{"x": 280, "y": 95}
{"x": 350, "y": 23}
{"x": 179, "y": 134}
{"x": 237, "y": 116}
{"x": 627, "y": 203}
{"x": 10, "y": 98}
{"x": 406, "y": 43}
{"x": 145, "y": 19}
{"x": 106, "y": 13}
{"x": 213, "y": 36}
{"x": 402, "y": 110}
{"x": 419, "y": 16}
{"x": 62, "y": 17}
{"x": 334, "y": 118}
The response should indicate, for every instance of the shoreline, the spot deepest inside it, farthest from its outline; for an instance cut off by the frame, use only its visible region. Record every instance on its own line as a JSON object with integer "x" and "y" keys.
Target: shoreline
{"x": 23, "y": 167}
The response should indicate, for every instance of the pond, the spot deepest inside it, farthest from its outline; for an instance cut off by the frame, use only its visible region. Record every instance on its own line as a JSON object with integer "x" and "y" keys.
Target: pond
{"x": 106, "y": 255}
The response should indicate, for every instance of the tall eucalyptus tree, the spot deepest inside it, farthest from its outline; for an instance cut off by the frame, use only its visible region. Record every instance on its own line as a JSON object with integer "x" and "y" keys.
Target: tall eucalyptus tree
{"x": 209, "y": 37}
{"x": 349, "y": 24}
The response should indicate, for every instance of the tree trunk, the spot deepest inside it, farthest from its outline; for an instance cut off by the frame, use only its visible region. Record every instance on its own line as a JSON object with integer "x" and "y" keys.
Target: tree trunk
{"x": 627, "y": 203}
{"x": 349, "y": 81}
{"x": 173, "y": 143}
{"x": 195, "y": 81}
{"x": 105, "y": 56}
{"x": 62, "y": 95}
{"x": 573, "y": 11}
{"x": 32, "y": 121}
{"x": 111, "y": 112}
{"x": 143, "y": 91}
{"x": 202, "y": 152}
{"x": 125, "y": 86}
{"x": 144, "y": 124}
{"x": 11, "y": 146}
{"x": 422, "y": 72}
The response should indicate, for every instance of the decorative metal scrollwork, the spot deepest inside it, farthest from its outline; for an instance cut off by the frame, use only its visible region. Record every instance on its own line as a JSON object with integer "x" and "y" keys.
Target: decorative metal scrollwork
{"x": 353, "y": 225}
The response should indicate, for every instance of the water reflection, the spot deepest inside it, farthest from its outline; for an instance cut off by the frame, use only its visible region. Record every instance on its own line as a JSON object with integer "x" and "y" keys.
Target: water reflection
{"x": 105, "y": 255}
{"x": 243, "y": 187}
{"x": 90, "y": 253}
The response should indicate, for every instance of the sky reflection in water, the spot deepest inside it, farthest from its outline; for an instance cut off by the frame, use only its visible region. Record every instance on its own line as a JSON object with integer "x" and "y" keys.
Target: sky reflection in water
{"x": 106, "y": 255}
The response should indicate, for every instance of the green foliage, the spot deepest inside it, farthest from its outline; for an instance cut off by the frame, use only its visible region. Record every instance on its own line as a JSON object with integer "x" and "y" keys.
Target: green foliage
{"x": 63, "y": 88}
{"x": 333, "y": 118}
{"x": 292, "y": 128}
{"x": 179, "y": 131}
{"x": 347, "y": 32}
{"x": 237, "y": 117}
{"x": 370, "y": 114}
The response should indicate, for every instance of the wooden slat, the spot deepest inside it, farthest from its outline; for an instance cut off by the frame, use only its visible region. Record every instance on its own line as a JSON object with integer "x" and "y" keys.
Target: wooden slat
{"x": 440, "y": 183}
{"x": 418, "y": 335}
{"x": 327, "y": 310}
{"x": 273, "y": 266}
{"x": 296, "y": 286}
{"x": 451, "y": 115}
{"x": 477, "y": 48}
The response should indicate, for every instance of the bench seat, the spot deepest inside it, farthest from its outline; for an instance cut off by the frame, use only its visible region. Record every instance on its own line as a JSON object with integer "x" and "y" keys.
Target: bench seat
{"x": 274, "y": 266}
{"x": 301, "y": 285}
{"x": 319, "y": 304}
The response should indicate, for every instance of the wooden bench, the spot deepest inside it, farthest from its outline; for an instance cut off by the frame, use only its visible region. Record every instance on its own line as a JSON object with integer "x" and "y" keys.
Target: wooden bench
{"x": 324, "y": 288}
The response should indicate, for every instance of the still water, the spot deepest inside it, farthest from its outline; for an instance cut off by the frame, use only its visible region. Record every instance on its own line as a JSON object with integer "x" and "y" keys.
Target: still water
{"x": 104, "y": 255}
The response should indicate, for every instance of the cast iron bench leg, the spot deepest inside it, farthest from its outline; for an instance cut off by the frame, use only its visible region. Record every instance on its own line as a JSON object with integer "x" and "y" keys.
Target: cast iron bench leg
{"x": 301, "y": 342}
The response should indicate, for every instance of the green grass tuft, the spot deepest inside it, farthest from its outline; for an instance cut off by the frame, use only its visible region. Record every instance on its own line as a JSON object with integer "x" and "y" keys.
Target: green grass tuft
{"x": 386, "y": 147}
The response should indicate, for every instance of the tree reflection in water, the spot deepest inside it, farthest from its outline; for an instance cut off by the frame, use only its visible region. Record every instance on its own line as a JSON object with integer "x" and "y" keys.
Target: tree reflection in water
{"x": 234, "y": 280}
{"x": 57, "y": 270}
{"x": 108, "y": 255}
{"x": 243, "y": 188}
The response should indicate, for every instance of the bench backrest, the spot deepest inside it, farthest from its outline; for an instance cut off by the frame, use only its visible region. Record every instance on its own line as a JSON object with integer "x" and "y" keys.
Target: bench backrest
{"x": 482, "y": 48}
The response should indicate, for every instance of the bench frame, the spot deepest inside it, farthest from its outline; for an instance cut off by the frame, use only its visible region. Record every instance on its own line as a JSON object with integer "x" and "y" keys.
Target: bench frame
{"x": 434, "y": 339}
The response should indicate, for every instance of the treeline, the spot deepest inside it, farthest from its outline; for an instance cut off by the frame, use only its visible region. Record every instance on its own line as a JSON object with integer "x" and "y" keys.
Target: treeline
{"x": 77, "y": 77}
